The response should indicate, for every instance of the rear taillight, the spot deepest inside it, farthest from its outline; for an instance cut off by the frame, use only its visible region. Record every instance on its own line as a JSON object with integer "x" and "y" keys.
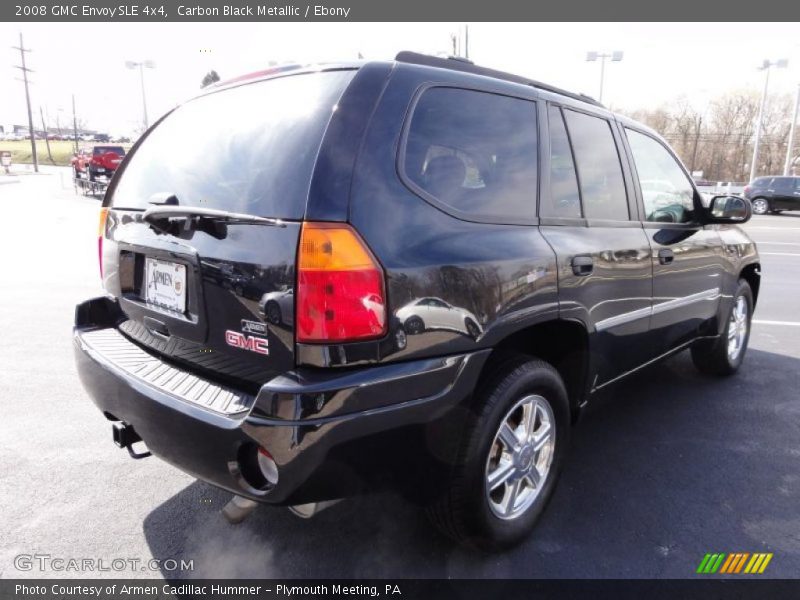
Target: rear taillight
{"x": 340, "y": 288}
{"x": 101, "y": 232}
{"x": 747, "y": 189}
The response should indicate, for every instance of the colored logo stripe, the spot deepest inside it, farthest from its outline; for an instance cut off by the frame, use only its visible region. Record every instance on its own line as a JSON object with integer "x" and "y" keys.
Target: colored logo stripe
{"x": 734, "y": 563}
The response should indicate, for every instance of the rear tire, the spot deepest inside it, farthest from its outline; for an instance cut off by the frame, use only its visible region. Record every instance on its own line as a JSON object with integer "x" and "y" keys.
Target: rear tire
{"x": 414, "y": 325}
{"x": 492, "y": 497}
{"x": 273, "y": 312}
{"x": 760, "y": 206}
{"x": 724, "y": 355}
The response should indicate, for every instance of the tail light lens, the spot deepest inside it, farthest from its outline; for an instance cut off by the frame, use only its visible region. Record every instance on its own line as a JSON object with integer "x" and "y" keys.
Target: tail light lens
{"x": 747, "y": 189}
{"x": 101, "y": 232}
{"x": 340, "y": 286}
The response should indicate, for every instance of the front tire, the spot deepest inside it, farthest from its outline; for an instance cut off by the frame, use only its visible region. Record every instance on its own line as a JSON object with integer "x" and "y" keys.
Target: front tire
{"x": 724, "y": 355}
{"x": 760, "y": 206}
{"x": 509, "y": 457}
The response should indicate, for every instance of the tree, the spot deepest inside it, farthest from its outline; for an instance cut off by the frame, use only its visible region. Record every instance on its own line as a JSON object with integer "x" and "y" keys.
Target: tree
{"x": 211, "y": 77}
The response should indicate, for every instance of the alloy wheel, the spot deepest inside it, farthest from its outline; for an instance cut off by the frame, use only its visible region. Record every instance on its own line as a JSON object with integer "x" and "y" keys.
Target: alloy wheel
{"x": 737, "y": 328}
{"x": 520, "y": 457}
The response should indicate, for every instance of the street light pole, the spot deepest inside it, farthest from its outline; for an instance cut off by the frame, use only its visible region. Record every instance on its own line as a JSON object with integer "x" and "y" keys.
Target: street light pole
{"x": 615, "y": 56}
{"x": 144, "y": 98}
{"x": 787, "y": 166}
{"x": 766, "y": 66}
{"x": 142, "y": 65}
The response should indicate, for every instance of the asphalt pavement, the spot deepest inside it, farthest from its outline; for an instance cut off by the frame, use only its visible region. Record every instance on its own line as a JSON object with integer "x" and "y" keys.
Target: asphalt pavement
{"x": 664, "y": 468}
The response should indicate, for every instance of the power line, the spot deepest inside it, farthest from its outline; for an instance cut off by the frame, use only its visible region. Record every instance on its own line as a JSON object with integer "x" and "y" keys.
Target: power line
{"x": 25, "y": 70}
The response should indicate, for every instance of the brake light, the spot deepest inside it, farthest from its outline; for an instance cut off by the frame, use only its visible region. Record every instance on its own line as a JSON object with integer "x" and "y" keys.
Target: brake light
{"x": 101, "y": 232}
{"x": 340, "y": 286}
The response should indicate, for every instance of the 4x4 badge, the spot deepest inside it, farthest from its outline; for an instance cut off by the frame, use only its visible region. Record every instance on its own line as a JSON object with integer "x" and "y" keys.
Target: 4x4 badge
{"x": 254, "y": 327}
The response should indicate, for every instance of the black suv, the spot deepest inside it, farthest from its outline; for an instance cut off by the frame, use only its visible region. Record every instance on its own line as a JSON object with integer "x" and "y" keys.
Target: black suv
{"x": 461, "y": 259}
{"x": 773, "y": 194}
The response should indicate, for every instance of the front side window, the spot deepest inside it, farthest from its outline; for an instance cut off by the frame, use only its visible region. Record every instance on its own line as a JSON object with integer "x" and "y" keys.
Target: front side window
{"x": 474, "y": 153}
{"x": 667, "y": 192}
{"x": 599, "y": 168}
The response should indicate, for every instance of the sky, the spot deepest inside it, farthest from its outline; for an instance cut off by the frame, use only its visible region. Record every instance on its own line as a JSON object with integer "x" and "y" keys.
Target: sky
{"x": 662, "y": 61}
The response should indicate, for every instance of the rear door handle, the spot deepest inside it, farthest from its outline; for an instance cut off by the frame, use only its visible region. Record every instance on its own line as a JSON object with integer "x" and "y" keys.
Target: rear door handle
{"x": 582, "y": 265}
{"x": 665, "y": 256}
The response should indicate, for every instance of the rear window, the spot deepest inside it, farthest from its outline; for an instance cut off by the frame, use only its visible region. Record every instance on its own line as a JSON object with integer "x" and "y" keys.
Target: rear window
{"x": 105, "y": 149}
{"x": 474, "y": 154}
{"x": 250, "y": 149}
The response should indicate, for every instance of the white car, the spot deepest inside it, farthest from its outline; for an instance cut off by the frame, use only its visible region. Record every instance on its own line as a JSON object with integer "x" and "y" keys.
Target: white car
{"x": 278, "y": 307}
{"x": 434, "y": 313}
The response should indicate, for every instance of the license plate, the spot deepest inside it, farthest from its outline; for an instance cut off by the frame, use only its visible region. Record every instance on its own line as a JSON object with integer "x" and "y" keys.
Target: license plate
{"x": 166, "y": 284}
{"x": 100, "y": 170}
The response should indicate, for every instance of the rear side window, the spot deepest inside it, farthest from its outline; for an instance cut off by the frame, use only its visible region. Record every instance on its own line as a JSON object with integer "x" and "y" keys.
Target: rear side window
{"x": 599, "y": 167}
{"x": 249, "y": 149}
{"x": 474, "y": 154}
{"x": 565, "y": 200}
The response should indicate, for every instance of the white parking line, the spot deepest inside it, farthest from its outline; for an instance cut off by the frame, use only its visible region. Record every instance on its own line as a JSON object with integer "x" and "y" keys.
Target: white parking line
{"x": 779, "y": 323}
{"x": 778, "y": 243}
{"x": 779, "y": 254}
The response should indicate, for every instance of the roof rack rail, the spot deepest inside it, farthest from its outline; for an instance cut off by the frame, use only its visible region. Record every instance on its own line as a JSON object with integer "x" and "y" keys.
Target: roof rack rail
{"x": 457, "y": 63}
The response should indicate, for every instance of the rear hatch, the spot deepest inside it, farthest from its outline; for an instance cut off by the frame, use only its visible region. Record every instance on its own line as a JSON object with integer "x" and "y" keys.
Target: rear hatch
{"x": 206, "y": 277}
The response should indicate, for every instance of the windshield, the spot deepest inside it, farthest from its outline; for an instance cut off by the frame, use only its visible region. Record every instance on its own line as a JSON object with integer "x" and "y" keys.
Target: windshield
{"x": 250, "y": 149}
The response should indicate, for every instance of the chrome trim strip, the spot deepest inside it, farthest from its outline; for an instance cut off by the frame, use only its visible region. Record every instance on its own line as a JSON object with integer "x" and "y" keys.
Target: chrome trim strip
{"x": 627, "y": 317}
{"x": 710, "y": 294}
{"x": 641, "y": 313}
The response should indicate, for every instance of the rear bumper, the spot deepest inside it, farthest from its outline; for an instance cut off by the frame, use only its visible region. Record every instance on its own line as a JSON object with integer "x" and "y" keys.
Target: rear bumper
{"x": 332, "y": 433}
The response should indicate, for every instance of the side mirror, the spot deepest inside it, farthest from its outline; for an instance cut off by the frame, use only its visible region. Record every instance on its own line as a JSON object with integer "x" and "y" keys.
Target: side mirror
{"x": 729, "y": 209}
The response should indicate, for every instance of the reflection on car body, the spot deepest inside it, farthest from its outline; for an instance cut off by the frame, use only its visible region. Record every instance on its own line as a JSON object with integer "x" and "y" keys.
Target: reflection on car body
{"x": 429, "y": 313}
{"x": 278, "y": 307}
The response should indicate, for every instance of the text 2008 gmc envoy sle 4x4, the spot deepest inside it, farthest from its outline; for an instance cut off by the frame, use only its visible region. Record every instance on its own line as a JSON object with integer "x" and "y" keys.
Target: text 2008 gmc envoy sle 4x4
{"x": 410, "y": 273}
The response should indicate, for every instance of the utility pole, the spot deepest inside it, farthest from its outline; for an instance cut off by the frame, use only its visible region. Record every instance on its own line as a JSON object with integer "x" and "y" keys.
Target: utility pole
{"x": 25, "y": 70}
{"x": 466, "y": 42}
{"x": 46, "y": 140}
{"x": 787, "y": 167}
{"x": 74, "y": 124}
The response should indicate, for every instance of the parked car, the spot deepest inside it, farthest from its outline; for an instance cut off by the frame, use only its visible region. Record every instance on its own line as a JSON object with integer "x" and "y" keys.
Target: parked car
{"x": 101, "y": 160}
{"x": 773, "y": 194}
{"x": 513, "y": 203}
{"x": 427, "y": 314}
{"x": 278, "y": 307}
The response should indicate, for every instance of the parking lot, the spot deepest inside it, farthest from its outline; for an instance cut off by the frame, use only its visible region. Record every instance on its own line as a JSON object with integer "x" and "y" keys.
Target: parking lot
{"x": 665, "y": 467}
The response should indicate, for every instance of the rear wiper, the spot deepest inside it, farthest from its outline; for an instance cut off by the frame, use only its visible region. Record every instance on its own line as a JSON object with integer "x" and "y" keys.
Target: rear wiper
{"x": 160, "y": 215}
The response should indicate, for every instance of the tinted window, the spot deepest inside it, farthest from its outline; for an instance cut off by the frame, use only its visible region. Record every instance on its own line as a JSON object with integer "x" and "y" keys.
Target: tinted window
{"x": 248, "y": 149}
{"x": 783, "y": 184}
{"x": 475, "y": 153}
{"x": 599, "y": 168}
{"x": 565, "y": 200}
{"x": 104, "y": 149}
{"x": 667, "y": 193}
{"x": 761, "y": 182}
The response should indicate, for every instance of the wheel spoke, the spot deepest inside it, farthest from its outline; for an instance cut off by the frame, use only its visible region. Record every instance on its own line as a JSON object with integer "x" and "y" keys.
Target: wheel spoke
{"x": 530, "y": 410}
{"x": 508, "y": 437}
{"x": 534, "y": 477}
{"x": 510, "y": 498}
{"x": 541, "y": 437}
{"x": 500, "y": 475}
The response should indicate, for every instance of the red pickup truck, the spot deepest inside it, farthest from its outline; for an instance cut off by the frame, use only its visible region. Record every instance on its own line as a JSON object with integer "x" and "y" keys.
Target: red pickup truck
{"x": 101, "y": 160}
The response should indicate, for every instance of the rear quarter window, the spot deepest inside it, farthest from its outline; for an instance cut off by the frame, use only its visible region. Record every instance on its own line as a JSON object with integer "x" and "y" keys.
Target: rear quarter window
{"x": 473, "y": 154}
{"x": 249, "y": 149}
